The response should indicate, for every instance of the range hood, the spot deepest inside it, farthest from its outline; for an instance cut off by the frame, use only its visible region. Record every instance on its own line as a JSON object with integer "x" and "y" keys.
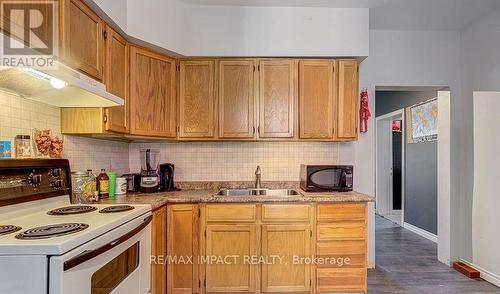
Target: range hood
{"x": 62, "y": 87}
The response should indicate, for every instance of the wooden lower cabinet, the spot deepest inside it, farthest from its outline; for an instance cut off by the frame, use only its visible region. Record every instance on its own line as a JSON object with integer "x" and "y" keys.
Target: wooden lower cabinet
{"x": 290, "y": 242}
{"x": 228, "y": 241}
{"x": 182, "y": 248}
{"x": 341, "y": 280}
{"x": 159, "y": 251}
{"x": 341, "y": 231}
{"x": 233, "y": 246}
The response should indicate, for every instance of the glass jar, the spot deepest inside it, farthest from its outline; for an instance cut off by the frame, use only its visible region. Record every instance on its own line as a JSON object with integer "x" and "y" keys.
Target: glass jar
{"x": 83, "y": 187}
{"x": 23, "y": 146}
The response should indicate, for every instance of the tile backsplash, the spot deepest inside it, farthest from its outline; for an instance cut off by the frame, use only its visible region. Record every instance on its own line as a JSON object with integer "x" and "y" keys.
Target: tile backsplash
{"x": 236, "y": 161}
{"x": 18, "y": 116}
{"x": 194, "y": 161}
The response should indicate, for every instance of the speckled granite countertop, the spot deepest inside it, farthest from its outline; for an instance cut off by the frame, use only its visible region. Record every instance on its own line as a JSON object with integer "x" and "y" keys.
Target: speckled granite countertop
{"x": 208, "y": 195}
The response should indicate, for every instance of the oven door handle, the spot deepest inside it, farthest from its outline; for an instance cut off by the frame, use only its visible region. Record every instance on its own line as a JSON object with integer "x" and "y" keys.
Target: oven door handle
{"x": 89, "y": 254}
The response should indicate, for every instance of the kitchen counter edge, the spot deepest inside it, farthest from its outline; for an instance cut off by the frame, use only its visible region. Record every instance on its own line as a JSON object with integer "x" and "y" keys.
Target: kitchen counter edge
{"x": 157, "y": 200}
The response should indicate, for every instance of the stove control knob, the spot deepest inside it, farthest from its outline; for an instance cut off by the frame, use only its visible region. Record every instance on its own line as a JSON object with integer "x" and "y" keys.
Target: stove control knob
{"x": 56, "y": 184}
{"x": 34, "y": 181}
{"x": 56, "y": 172}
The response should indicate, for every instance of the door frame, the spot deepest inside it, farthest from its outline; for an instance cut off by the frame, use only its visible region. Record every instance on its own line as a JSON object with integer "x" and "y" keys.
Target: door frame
{"x": 400, "y": 113}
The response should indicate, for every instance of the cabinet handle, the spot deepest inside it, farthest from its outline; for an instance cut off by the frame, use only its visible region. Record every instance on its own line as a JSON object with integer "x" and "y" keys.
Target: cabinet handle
{"x": 105, "y": 35}
{"x": 105, "y": 118}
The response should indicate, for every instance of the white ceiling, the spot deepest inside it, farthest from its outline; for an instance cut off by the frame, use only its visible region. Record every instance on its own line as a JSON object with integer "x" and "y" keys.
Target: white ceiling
{"x": 392, "y": 14}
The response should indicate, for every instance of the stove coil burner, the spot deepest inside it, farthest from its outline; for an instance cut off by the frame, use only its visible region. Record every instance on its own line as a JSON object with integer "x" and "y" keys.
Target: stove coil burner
{"x": 117, "y": 208}
{"x": 51, "y": 231}
{"x": 7, "y": 229}
{"x": 71, "y": 210}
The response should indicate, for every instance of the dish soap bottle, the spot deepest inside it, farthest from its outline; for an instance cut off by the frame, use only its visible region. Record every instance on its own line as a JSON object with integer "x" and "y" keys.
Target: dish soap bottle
{"x": 103, "y": 184}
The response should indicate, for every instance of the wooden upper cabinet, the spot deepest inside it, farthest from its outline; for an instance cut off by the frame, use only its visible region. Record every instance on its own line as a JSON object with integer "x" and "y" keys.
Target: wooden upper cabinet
{"x": 347, "y": 101}
{"x": 276, "y": 98}
{"x": 197, "y": 99}
{"x": 236, "y": 99}
{"x": 286, "y": 241}
{"x": 316, "y": 96}
{"x": 81, "y": 37}
{"x": 182, "y": 242}
{"x": 159, "y": 250}
{"x": 152, "y": 94}
{"x": 116, "y": 63}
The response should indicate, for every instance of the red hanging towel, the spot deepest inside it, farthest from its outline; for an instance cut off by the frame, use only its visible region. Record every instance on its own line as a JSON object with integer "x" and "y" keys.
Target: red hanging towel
{"x": 364, "y": 112}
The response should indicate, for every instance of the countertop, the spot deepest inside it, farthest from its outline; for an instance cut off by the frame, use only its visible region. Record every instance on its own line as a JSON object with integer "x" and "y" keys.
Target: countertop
{"x": 209, "y": 196}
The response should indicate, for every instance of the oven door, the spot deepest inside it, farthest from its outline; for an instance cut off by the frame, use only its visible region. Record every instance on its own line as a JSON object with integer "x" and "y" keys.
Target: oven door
{"x": 117, "y": 262}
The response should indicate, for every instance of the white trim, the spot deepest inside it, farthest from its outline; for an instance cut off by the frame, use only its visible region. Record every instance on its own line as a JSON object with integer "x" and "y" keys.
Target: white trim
{"x": 395, "y": 114}
{"x": 486, "y": 275}
{"x": 391, "y": 114}
{"x": 403, "y": 163}
{"x": 421, "y": 232}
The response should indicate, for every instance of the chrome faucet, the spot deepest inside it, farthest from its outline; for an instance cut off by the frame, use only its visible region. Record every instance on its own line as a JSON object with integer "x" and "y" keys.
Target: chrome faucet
{"x": 257, "y": 177}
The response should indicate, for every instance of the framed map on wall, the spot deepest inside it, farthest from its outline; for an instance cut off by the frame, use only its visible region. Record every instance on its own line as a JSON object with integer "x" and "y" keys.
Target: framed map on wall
{"x": 422, "y": 121}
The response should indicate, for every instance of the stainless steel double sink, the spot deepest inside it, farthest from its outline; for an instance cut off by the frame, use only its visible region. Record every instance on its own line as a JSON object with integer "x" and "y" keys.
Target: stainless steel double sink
{"x": 258, "y": 192}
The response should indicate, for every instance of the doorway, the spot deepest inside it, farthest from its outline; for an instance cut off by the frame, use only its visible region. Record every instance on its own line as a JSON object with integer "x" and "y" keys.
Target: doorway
{"x": 390, "y": 166}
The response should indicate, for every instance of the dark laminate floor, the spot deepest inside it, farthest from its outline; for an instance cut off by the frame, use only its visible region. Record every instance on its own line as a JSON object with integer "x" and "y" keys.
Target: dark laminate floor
{"x": 407, "y": 263}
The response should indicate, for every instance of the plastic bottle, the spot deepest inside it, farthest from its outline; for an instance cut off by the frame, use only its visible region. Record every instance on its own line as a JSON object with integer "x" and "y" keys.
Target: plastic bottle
{"x": 112, "y": 184}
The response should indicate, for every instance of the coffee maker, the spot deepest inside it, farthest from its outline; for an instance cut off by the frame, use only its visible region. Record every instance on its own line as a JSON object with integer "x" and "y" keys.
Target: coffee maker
{"x": 150, "y": 180}
{"x": 167, "y": 177}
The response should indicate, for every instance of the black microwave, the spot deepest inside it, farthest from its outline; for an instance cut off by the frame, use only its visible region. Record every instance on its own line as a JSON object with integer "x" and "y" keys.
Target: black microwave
{"x": 325, "y": 178}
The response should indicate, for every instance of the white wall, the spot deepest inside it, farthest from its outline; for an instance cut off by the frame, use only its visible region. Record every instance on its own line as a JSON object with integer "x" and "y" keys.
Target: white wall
{"x": 486, "y": 203}
{"x": 277, "y": 31}
{"x": 480, "y": 60}
{"x": 444, "y": 180}
{"x": 404, "y": 58}
{"x": 160, "y": 22}
{"x": 116, "y": 10}
{"x": 196, "y": 30}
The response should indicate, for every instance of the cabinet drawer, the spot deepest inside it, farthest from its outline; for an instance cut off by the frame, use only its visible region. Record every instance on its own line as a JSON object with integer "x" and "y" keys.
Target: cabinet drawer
{"x": 231, "y": 213}
{"x": 341, "y": 280}
{"x": 342, "y": 254}
{"x": 342, "y": 212}
{"x": 341, "y": 231}
{"x": 342, "y": 248}
{"x": 285, "y": 213}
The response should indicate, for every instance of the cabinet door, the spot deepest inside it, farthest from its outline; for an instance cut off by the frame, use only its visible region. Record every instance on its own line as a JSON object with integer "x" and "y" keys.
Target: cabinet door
{"x": 316, "y": 93}
{"x": 276, "y": 98}
{"x": 81, "y": 38}
{"x": 234, "y": 275}
{"x": 236, "y": 99}
{"x": 182, "y": 243}
{"x": 197, "y": 99}
{"x": 159, "y": 251}
{"x": 116, "y": 79}
{"x": 347, "y": 101}
{"x": 286, "y": 241}
{"x": 152, "y": 94}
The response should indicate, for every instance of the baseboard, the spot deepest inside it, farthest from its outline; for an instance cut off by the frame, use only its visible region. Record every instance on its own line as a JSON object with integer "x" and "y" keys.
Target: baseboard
{"x": 485, "y": 275}
{"x": 419, "y": 231}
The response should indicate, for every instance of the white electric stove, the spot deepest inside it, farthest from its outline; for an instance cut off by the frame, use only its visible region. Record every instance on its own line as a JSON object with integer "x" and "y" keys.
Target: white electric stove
{"x": 48, "y": 245}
